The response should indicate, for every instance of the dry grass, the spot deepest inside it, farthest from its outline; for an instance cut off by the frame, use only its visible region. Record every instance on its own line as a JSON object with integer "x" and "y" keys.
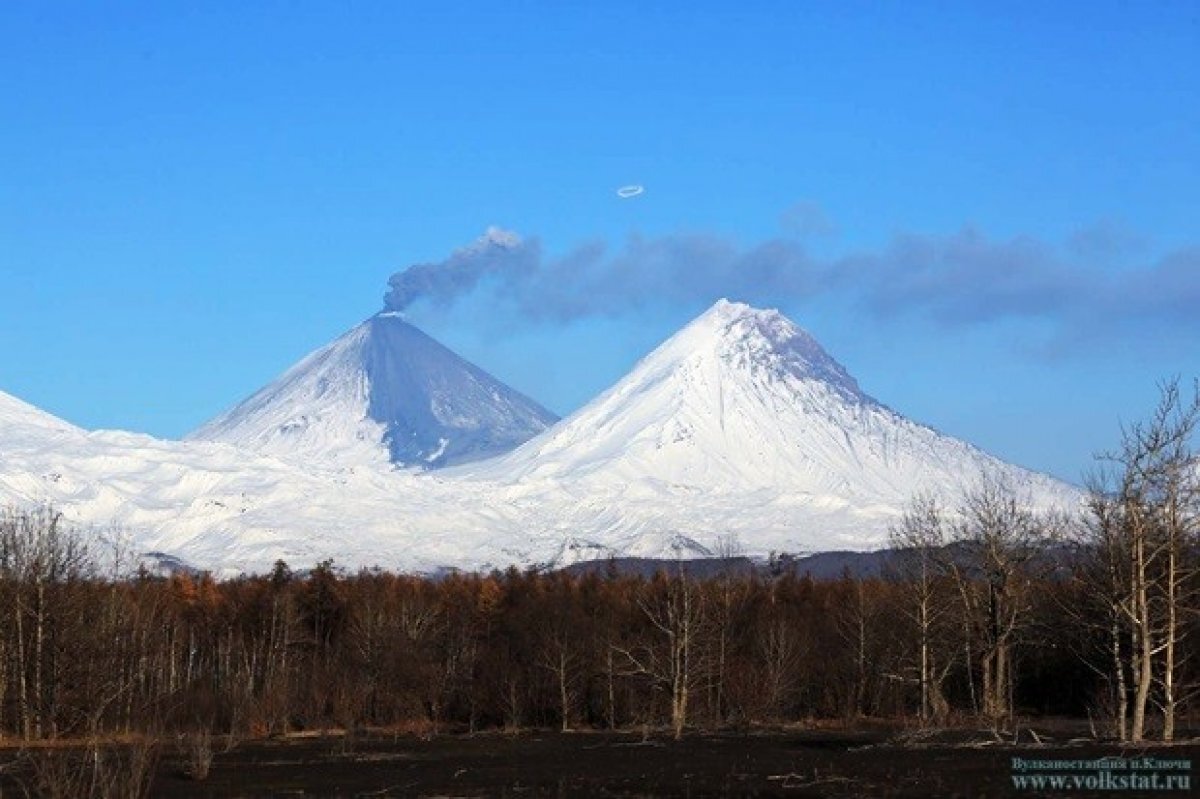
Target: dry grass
{"x": 97, "y": 771}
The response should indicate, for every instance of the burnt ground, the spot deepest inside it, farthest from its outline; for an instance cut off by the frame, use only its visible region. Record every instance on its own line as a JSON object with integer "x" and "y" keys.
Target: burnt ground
{"x": 759, "y": 763}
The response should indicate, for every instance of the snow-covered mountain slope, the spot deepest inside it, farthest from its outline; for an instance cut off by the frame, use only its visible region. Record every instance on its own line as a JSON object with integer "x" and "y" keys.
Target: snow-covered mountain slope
{"x": 17, "y": 415}
{"x": 740, "y": 426}
{"x": 742, "y": 402}
{"x": 24, "y": 427}
{"x": 221, "y": 508}
{"x": 383, "y": 392}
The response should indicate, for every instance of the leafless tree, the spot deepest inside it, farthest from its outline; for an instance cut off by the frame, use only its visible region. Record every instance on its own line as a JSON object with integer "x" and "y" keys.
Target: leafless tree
{"x": 728, "y": 595}
{"x": 1103, "y": 574}
{"x": 41, "y": 558}
{"x": 1144, "y": 524}
{"x": 673, "y": 659}
{"x": 918, "y": 540}
{"x": 780, "y": 650}
{"x": 852, "y": 620}
{"x": 997, "y": 538}
{"x": 560, "y": 645}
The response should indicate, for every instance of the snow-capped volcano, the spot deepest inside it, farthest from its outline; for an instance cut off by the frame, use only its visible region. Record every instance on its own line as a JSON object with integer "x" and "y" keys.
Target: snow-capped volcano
{"x": 739, "y": 425}
{"x": 743, "y": 400}
{"x": 384, "y": 392}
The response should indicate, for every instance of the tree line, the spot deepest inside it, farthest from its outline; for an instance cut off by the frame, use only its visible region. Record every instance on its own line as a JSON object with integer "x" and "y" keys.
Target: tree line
{"x": 987, "y": 610}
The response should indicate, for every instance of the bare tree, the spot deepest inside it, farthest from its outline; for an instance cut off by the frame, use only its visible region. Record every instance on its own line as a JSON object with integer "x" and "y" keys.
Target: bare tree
{"x": 1175, "y": 487}
{"x": 729, "y": 594}
{"x": 1103, "y": 574}
{"x": 560, "y": 641}
{"x": 1144, "y": 524}
{"x": 39, "y": 556}
{"x": 673, "y": 659}
{"x": 780, "y": 650}
{"x": 852, "y": 619}
{"x": 997, "y": 538}
{"x": 918, "y": 539}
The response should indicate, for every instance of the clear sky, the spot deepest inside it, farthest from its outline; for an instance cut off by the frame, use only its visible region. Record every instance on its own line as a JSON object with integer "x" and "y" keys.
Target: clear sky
{"x": 990, "y": 213}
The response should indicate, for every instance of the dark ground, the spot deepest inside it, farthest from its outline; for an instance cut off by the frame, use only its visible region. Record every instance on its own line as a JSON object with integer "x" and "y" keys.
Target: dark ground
{"x": 767, "y": 763}
{"x": 819, "y": 566}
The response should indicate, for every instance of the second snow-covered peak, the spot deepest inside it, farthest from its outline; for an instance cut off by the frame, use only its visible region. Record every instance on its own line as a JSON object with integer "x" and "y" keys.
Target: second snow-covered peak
{"x": 762, "y": 340}
{"x": 740, "y": 398}
{"x": 743, "y": 401}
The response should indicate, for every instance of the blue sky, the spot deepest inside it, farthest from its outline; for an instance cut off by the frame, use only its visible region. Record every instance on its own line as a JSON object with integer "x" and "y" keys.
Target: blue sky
{"x": 192, "y": 196}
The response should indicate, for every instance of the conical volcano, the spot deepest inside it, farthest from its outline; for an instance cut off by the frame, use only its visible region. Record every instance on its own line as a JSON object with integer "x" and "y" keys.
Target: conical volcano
{"x": 383, "y": 392}
{"x": 741, "y": 400}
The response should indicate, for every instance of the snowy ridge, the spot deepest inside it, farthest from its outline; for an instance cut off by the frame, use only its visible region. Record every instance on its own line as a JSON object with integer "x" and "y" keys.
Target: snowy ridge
{"x": 217, "y": 507}
{"x": 382, "y": 393}
{"x": 17, "y": 415}
{"x": 740, "y": 425}
{"x": 24, "y": 427}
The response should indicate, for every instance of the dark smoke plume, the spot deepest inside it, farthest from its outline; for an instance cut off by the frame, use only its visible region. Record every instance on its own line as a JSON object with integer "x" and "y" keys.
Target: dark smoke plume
{"x": 591, "y": 281}
{"x": 496, "y": 253}
{"x": 959, "y": 280}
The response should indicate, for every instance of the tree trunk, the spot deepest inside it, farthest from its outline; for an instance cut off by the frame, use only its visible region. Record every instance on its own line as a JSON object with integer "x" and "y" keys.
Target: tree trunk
{"x": 563, "y": 694}
{"x": 987, "y": 680}
{"x": 1172, "y": 583}
{"x": 923, "y": 613}
{"x": 969, "y": 661}
{"x": 860, "y": 654}
{"x": 612, "y": 691}
{"x": 679, "y": 710}
{"x": 1119, "y": 672}
{"x": 1143, "y": 651}
{"x": 3, "y": 680}
{"x": 39, "y": 637}
{"x": 22, "y": 672}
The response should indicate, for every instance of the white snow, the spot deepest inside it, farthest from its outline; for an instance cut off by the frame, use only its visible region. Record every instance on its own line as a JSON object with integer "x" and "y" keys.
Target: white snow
{"x": 383, "y": 393}
{"x": 742, "y": 401}
{"x": 739, "y": 425}
{"x": 17, "y": 416}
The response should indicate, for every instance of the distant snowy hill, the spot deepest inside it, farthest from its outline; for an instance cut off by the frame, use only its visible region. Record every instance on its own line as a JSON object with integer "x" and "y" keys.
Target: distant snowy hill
{"x": 739, "y": 426}
{"x": 22, "y": 426}
{"x": 17, "y": 415}
{"x": 384, "y": 392}
{"x": 217, "y": 507}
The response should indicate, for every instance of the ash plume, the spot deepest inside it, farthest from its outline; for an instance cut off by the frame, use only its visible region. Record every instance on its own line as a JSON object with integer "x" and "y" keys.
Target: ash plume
{"x": 497, "y": 252}
{"x": 1073, "y": 294}
{"x": 591, "y": 280}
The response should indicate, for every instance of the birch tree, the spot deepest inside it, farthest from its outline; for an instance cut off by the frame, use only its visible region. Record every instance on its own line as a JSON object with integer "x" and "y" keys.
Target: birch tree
{"x": 918, "y": 540}
{"x": 1144, "y": 524}
{"x": 39, "y": 555}
{"x": 997, "y": 537}
{"x": 673, "y": 658}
